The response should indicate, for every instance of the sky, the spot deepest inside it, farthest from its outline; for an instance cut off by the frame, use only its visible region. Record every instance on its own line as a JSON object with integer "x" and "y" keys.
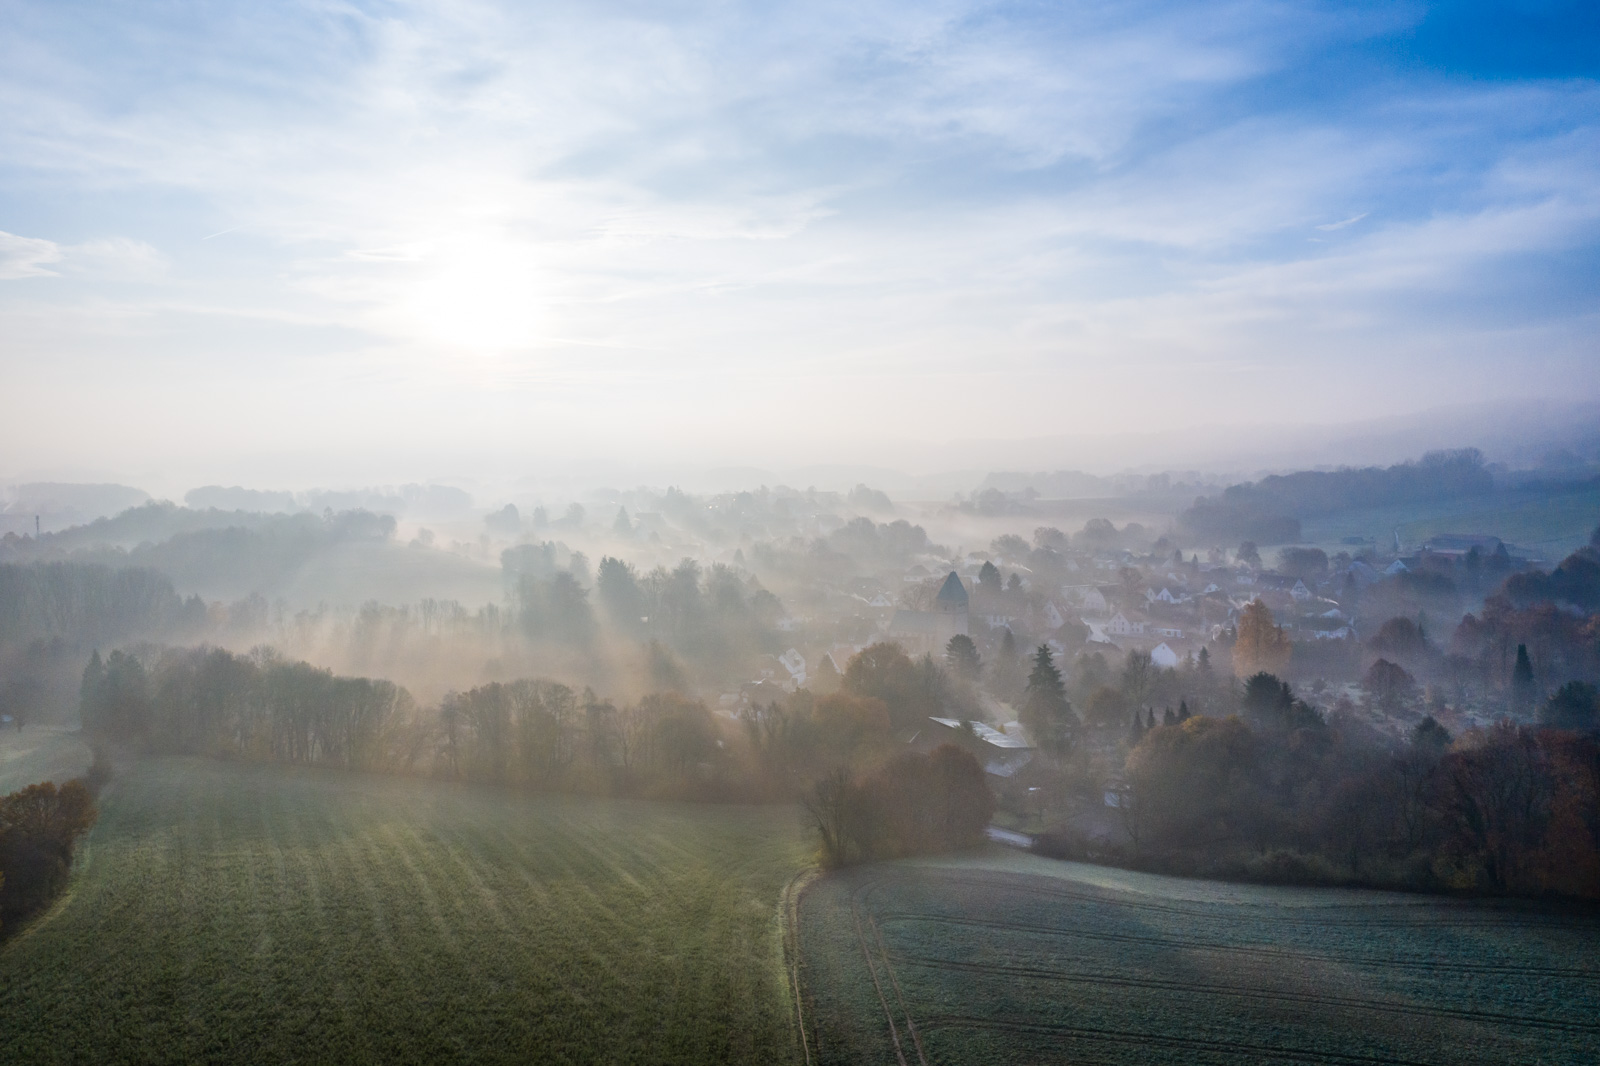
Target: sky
{"x": 327, "y": 242}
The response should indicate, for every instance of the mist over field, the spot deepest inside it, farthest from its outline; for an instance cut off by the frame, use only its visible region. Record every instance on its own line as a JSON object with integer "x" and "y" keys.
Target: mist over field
{"x": 792, "y": 533}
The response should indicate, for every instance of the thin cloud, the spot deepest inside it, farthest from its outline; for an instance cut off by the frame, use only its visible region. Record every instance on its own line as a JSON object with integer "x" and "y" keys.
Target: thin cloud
{"x": 26, "y": 257}
{"x": 1351, "y": 221}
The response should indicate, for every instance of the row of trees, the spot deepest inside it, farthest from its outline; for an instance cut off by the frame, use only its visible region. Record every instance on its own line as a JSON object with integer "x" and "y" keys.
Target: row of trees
{"x": 208, "y": 701}
{"x": 39, "y": 828}
{"x": 1283, "y": 793}
{"x": 910, "y": 804}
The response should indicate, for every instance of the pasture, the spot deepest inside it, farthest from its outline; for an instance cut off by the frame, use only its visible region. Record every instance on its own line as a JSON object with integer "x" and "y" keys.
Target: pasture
{"x": 41, "y": 753}
{"x": 1008, "y": 958}
{"x": 1553, "y": 524}
{"x": 231, "y": 913}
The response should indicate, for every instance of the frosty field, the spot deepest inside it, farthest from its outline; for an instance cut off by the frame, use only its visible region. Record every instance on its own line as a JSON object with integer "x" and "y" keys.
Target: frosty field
{"x": 1004, "y": 958}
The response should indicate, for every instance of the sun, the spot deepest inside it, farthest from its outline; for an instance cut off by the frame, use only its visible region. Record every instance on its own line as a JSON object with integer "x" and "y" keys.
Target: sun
{"x": 482, "y": 295}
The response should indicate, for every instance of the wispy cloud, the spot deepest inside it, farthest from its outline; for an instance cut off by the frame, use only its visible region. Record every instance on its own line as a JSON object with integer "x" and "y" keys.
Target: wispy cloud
{"x": 687, "y": 197}
{"x": 27, "y": 257}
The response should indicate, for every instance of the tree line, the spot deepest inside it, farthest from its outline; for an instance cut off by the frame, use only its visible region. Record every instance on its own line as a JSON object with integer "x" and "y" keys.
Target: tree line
{"x": 1283, "y": 792}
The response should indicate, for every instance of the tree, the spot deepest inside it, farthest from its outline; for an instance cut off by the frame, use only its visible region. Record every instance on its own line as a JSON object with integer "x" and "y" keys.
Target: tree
{"x": 617, "y": 584}
{"x": 1389, "y": 685}
{"x": 1262, "y": 645}
{"x": 1523, "y": 691}
{"x": 1138, "y": 674}
{"x": 885, "y": 672}
{"x": 39, "y": 826}
{"x": 1308, "y": 564}
{"x": 961, "y": 655}
{"x": 989, "y": 578}
{"x": 1575, "y": 705}
{"x": 826, "y": 680}
{"x": 1045, "y": 710}
{"x": 1248, "y": 553}
{"x": 621, "y": 526}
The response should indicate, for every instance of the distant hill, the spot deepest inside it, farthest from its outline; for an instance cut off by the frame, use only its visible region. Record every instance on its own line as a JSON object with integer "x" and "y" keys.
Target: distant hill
{"x": 1270, "y": 511}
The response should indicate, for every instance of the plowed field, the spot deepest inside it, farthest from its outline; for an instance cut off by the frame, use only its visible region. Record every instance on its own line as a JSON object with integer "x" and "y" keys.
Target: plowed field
{"x": 1012, "y": 959}
{"x": 233, "y": 914}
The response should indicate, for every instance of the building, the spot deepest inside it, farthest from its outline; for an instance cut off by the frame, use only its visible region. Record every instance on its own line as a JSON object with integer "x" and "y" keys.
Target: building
{"x": 1121, "y": 626}
{"x": 1000, "y": 754}
{"x": 927, "y": 632}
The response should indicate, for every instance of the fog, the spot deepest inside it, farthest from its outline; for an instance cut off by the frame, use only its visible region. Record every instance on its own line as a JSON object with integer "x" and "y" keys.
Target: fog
{"x": 601, "y": 532}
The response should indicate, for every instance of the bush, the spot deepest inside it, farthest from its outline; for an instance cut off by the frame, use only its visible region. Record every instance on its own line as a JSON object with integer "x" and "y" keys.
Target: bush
{"x": 39, "y": 827}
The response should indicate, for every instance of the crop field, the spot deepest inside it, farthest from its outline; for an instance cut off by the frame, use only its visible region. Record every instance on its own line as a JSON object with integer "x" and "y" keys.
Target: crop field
{"x": 228, "y": 913}
{"x": 1008, "y": 958}
{"x": 40, "y": 753}
{"x": 1552, "y": 524}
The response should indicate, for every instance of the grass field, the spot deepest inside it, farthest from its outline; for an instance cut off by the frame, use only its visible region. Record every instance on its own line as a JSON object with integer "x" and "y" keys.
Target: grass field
{"x": 227, "y": 913}
{"x": 40, "y": 753}
{"x": 1551, "y": 524}
{"x": 1008, "y": 958}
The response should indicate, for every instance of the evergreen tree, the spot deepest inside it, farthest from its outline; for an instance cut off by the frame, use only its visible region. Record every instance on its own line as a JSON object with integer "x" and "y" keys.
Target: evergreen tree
{"x": 961, "y": 655}
{"x": 1045, "y": 711}
{"x": 1183, "y": 708}
{"x": 1522, "y": 684}
{"x": 989, "y": 578}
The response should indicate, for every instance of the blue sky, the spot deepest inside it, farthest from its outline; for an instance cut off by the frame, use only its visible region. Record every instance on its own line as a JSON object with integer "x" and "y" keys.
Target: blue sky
{"x": 278, "y": 238}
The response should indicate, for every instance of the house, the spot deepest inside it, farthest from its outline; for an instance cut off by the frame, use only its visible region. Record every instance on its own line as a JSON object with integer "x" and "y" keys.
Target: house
{"x": 1164, "y": 657}
{"x": 1165, "y": 630}
{"x": 795, "y": 663}
{"x": 1121, "y": 626}
{"x": 1165, "y": 596}
{"x": 1053, "y": 618}
{"x": 1363, "y": 575}
{"x": 1300, "y": 592}
{"x": 1000, "y": 754}
{"x": 1397, "y": 567}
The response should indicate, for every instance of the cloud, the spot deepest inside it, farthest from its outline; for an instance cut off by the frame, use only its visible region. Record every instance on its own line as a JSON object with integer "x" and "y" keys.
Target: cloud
{"x": 654, "y": 202}
{"x": 25, "y": 257}
{"x": 1351, "y": 221}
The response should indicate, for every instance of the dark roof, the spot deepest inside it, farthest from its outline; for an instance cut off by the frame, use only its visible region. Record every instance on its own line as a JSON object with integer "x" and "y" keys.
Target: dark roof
{"x": 953, "y": 594}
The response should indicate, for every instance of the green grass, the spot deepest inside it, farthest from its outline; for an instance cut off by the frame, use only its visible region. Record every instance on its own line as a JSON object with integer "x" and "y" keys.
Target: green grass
{"x": 40, "y": 753}
{"x": 1552, "y": 525}
{"x": 1007, "y": 958}
{"x": 228, "y": 913}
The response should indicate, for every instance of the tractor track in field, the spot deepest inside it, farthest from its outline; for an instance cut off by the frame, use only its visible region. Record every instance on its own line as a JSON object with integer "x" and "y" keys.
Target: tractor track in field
{"x": 1248, "y": 992}
{"x": 1230, "y": 1050}
{"x": 1375, "y": 961}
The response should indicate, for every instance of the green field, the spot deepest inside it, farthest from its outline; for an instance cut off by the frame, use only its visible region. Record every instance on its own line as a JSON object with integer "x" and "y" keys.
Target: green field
{"x": 1009, "y": 958}
{"x": 1550, "y": 524}
{"x": 229, "y": 913}
{"x": 40, "y": 753}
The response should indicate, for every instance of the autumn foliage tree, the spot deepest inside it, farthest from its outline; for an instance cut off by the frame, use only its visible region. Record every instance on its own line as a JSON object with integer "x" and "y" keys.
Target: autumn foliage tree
{"x": 1263, "y": 646}
{"x": 39, "y": 826}
{"x": 912, "y": 804}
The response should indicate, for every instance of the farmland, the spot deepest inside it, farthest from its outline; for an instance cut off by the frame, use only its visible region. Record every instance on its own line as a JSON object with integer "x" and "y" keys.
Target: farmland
{"x": 231, "y": 913}
{"x": 40, "y": 753}
{"x": 1006, "y": 958}
{"x": 1552, "y": 524}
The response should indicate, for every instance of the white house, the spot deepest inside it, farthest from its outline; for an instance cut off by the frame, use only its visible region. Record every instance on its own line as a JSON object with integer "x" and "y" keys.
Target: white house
{"x": 795, "y": 663}
{"x": 1164, "y": 656}
{"x": 1053, "y": 616}
{"x": 1121, "y": 626}
{"x": 1397, "y": 567}
{"x": 1300, "y": 592}
{"x": 1174, "y": 632}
